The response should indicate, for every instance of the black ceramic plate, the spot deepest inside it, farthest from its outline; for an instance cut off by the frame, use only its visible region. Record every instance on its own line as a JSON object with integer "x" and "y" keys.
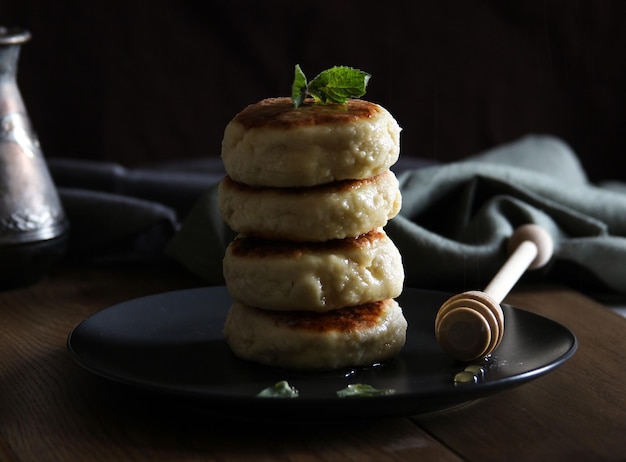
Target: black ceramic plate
{"x": 172, "y": 344}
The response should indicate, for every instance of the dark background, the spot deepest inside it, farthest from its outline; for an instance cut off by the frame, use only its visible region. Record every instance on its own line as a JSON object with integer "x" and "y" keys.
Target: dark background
{"x": 144, "y": 82}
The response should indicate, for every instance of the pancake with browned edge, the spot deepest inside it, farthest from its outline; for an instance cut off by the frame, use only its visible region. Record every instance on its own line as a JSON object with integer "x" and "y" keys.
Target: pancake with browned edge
{"x": 281, "y": 275}
{"x": 318, "y": 213}
{"x": 271, "y": 143}
{"x": 353, "y": 336}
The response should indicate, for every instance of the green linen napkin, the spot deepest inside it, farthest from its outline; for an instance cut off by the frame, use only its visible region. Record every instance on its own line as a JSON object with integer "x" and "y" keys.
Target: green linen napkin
{"x": 456, "y": 218}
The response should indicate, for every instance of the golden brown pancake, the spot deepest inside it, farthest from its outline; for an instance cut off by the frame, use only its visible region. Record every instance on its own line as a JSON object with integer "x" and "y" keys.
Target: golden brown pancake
{"x": 332, "y": 211}
{"x": 271, "y": 143}
{"x": 323, "y": 276}
{"x": 352, "y": 336}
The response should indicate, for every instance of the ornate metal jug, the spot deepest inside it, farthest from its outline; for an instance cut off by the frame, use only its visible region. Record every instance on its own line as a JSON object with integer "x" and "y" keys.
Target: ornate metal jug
{"x": 33, "y": 226}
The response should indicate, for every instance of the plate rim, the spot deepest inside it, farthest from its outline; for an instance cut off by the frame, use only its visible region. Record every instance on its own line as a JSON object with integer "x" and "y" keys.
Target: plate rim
{"x": 286, "y": 407}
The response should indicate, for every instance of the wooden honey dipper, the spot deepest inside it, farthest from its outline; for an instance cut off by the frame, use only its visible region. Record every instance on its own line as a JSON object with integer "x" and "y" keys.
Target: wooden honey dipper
{"x": 470, "y": 325}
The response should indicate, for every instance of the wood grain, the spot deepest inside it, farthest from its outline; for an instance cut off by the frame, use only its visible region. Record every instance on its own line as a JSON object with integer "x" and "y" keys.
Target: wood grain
{"x": 575, "y": 413}
{"x": 50, "y": 409}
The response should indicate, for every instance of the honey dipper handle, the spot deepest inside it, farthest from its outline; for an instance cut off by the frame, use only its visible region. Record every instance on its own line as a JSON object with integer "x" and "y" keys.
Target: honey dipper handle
{"x": 511, "y": 271}
{"x": 530, "y": 246}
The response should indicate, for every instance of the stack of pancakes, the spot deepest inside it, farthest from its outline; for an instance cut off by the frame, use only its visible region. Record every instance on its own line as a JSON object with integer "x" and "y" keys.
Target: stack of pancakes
{"x": 312, "y": 274}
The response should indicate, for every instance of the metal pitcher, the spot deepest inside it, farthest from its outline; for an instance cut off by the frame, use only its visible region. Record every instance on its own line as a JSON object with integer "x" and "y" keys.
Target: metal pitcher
{"x": 33, "y": 225}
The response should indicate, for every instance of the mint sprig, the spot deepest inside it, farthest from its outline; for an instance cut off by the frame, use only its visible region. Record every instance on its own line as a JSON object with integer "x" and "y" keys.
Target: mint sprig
{"x": 363, "y": 389}
{"x": 334, "y": 85}
{"x": 280, "y": 389}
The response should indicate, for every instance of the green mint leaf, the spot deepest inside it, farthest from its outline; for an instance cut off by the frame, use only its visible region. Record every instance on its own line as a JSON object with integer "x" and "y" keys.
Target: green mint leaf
{"x": 280, "y": 389}
{"x": 334, "y": 85}
{"x": 299, "y": 87}
{"x": 338, "y": 84}
{"x": 363, "y": 390}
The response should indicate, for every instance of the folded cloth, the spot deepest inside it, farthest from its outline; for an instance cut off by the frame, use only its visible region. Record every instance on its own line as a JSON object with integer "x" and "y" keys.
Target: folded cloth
{"x": 115, "y": 212}
{"x": 456, "y": 218}
{"x": 105, "y": 225}
{"x": 177, "y": 185}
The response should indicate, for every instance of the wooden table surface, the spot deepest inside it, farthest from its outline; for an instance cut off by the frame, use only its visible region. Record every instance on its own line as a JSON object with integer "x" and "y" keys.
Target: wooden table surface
{"x": 51, "y": 409}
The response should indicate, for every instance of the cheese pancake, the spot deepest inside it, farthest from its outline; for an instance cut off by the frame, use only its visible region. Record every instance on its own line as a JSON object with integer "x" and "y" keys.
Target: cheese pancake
{"x": 354, "y": 336}
{"x": 271, "y": 143}
{"x": 319, "y": 213}
{"x": 279, "y": 275}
